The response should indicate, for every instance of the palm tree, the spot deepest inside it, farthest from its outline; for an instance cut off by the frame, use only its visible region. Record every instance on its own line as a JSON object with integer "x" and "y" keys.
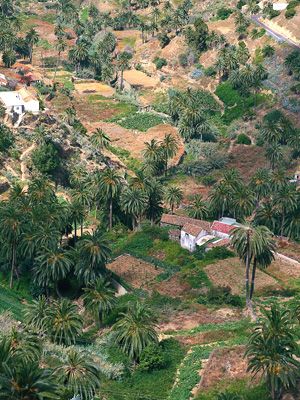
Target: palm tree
{"x": 152, "y": 151}
{"x": 79, "y": 375}
{"x": 285, "y": 200}
{"x": 11, "y": 222}
{"x": 274, "y": 154}
{"x": 154, "y": 191}
{"x": 51, "y": 267}
{"x": 64, "y": 324}
{"x": 100, "y": 140}
{"x": 272, "y": 350}
{"x": 134, "y": 203}
{"x": 266, "y": 214}
{"x": 93, "y": 253}
{"x": 99, "y": 299}
{"x": 198, "y": 209}
{"x": 243, "y": 201}
{"x": 253, "y": 244}
{"x": 135, "y": 330}
{"x": 110, "y": 183}
{"x": 260, "y": 184}
{"x": 169, "y": 148}
{"x": 221, "y": 198}
{"x": 123, "y": 64}
{"x": 32, "y": 38}
{"x": 173, "y": 197}
{"x": 36, "y": 313}
{"x": 27, "y": 380}
{"x": 61, "y": 46}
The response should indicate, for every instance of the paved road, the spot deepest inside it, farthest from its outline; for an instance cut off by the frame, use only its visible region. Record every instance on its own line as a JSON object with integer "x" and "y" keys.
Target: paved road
{"x": 275, "y": 35}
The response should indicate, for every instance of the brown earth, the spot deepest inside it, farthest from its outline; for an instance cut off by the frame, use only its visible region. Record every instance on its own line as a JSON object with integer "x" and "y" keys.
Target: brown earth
{"x": 289, "y": 249}
{"x": 284, "y": 271}
{"x": 247, "y": 159}
{"x": 224, "y": 364}
{"x": 231, "y": 272}
{"x": 137, "y": 273}
{"x": 173, "y": 287}
{"x": 134, "y": 141}
{"x": 189, "y": 319}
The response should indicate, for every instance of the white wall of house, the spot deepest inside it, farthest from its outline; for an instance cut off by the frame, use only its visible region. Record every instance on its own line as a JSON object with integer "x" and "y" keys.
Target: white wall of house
{"x": 32, "y": 106}
{"x": 187, "y": 241}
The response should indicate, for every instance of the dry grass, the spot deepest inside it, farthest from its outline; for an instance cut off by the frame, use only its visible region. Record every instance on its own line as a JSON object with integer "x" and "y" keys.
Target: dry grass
{"x": 284, "y": 271}
{"x": 247, "y": 159}
{"x": 139, "y": 78}
{"x": 137, "y": 273}
{"x": 231, "y": 273}
{"x": 95, "y": 87}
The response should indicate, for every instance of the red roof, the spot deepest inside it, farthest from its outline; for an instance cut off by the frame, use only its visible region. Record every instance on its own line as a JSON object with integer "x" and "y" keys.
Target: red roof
{"x": 222, "y": 227}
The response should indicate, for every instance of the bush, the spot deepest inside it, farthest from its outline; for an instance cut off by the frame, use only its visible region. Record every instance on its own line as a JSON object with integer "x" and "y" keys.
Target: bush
{"x": 46, "y": 158}
{"x": 218, "y": 253}
{"x": 296, "y": 88}
{"x": 152, "y": 358}
{"x": 183, "y": 60}
{"x": 210, "y": 71}
{"x": 160, "y": 62}
{"x": 208, "y": 180}
{"x": 224, "y": 13}
{"x": 243, "y": 139}
{"x": 220, "y": 295}
{"x": 164, "y": 40}
{"x": 6, "y": 138}
{"x": 268, "y": 51}
{"x": 290, "y": 13}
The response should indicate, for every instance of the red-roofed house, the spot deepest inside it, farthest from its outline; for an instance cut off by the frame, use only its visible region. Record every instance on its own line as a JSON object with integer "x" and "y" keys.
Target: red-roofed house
{"x": 224, "y": 227}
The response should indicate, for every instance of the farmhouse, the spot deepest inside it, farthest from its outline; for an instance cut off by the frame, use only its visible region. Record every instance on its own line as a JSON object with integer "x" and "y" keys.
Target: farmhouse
{"x": 191, "y": 233}
{"x": 280, "y": 5}
{"x": 19, "y": 102}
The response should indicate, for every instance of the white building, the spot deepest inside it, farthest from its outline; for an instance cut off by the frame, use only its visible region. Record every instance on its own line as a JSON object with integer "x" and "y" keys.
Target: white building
{"x": 223, "y": 228}
{"x": 280, "y": 5}
{"x": 190, "y": 236}
{"x": 19, "y": 102}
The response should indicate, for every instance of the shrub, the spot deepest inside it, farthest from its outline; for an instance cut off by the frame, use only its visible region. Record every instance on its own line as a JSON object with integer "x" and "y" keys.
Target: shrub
{"x": 290, "y": 13}
{"x": 243, "y": 139}
{"x": 210, "y": 71}
{"x": 164, "y": 40}
{"x": 152, "y": 358}
{"x": 6, "y": 138}
{"x": 268, "y": 51}
{"x": 296, "y": 88}
{"x": 160, "y": 62}
{"x": 208, "y": 180}
{"x": 224, "y": 13}
{"x": 183, "y": 60}
{"x": 220, "y": 295}
{"x": 46, "y": 158}
{"x": 218, "y": 253}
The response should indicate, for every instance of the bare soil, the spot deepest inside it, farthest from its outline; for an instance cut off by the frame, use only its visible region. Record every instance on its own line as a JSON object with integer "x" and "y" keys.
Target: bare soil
{"x": 224, "y": 364}
{"x": 231, "y": 272}
{"x": 247, "y": 159}
{"x": 137, "y": 273}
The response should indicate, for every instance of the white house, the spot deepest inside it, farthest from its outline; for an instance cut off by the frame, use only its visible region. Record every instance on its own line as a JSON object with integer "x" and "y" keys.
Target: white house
{"x": 19, "y": 102}
{"x": 280, "y": 5}
{"x": 191, "y": 234}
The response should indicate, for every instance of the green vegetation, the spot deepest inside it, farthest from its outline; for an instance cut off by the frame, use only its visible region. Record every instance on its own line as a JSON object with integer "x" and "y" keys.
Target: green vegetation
{"x": 138, "y": 121}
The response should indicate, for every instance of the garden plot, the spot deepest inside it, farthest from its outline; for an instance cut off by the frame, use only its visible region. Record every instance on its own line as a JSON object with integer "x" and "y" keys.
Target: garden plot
{"x": 94, "y": 87}
{"x": 134, "y": 141}
{"x": 172, "y": 287}
{"x": 225, "y": 364}
{"x": 285, "y": 271}
{"x": 247, "y": 159}
{"x": 190, "y": 319}
{"x": 231, "y": 272}
{"x": 137, "y": 273}
{"x": 289, "y": 249}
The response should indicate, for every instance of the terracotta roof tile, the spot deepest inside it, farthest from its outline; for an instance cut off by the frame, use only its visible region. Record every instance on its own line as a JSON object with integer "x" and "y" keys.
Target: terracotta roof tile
{"x": 222, "y": 227}
{"x": 193, "y": 230}
{"x": 178, "y": 220}
{"x": 219, "y": 243}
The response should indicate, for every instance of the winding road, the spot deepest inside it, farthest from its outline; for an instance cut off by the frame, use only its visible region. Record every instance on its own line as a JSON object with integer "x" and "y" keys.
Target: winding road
{"x": 275, "y": 35}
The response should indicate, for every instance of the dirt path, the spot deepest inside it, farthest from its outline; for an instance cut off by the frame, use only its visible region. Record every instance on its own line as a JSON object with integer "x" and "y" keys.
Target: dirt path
{"x": 23, "y": 157}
